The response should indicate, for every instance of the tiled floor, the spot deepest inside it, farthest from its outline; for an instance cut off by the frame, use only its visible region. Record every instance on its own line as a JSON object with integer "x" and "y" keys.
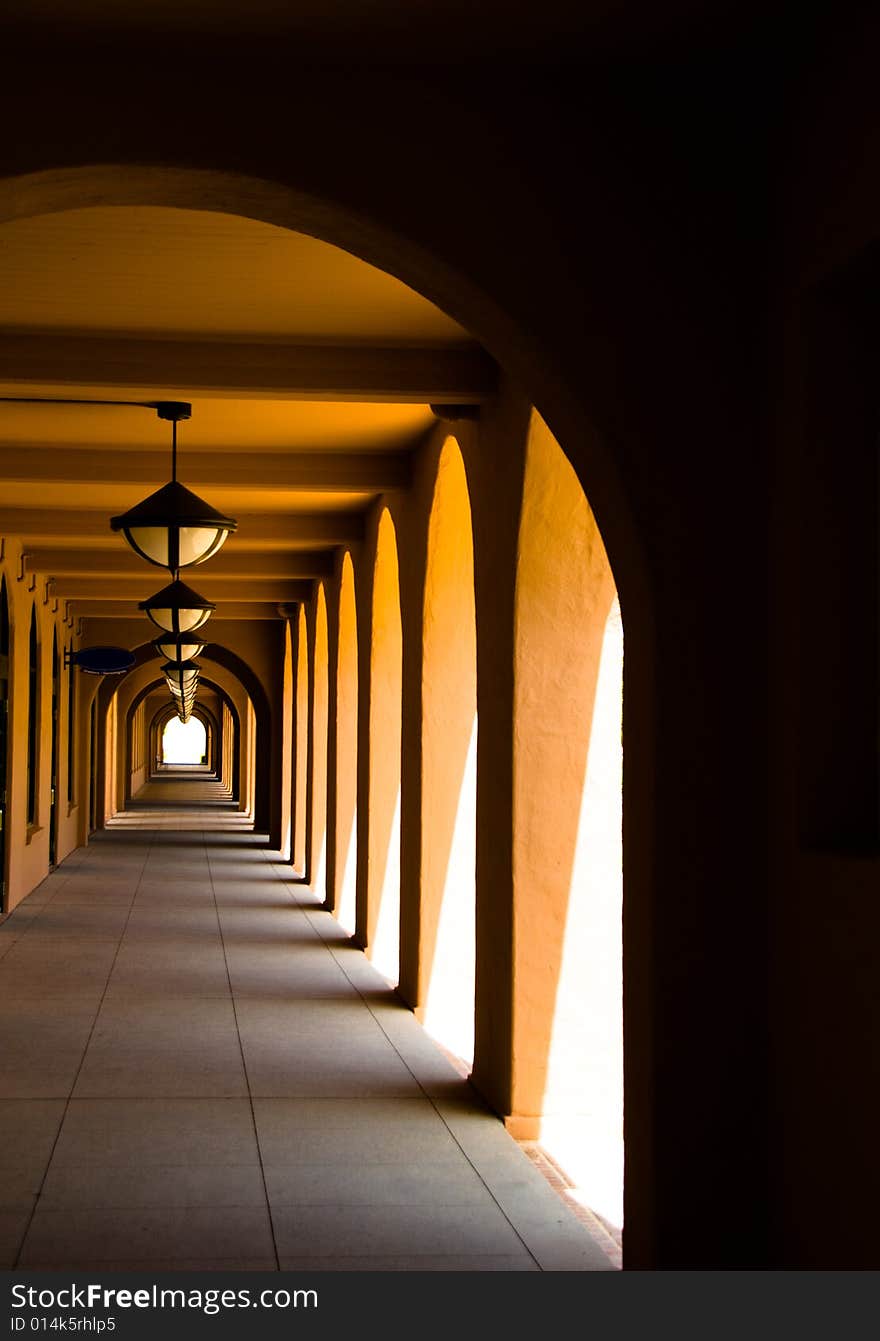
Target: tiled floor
{"x": 197, "y": 1070}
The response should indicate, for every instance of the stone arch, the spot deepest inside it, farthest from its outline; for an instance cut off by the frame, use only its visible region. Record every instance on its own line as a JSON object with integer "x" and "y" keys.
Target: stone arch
{"x": 79, "y": 183}
{"x": 342, "y": 749}
{"x": 379, "y": 735}
{"x": 316, "y": 803}
{"x": 35, "y": 713}
{"x": 6, "y": 616}
{"x": 253, "y": 687}
{"x": 300, "y": 745}
{"x": 444, "y": 990}
{"x": 85, "y": 183}
{"x": 168, "y": 708}
{"x": 564, "y": 591}
{"x": 207, "y": 719}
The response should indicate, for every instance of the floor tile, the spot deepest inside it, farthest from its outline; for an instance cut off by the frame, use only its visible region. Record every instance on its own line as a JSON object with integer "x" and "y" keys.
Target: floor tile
{"x": 142, "y": 971}
{"x": 13, "y": 1224}
{"x": 221, "y": 1265}
{"x": 87, "y": 1186}
{"x": 147, "y": 1233}
{"x": 482, "y": 1262}
{"x": 321, "y": 1231}
{"x": 157, "y": 1131}
{"x": 353, "y": 1184}
{"x": 28, "y": 1128}
{"x": 293, "y": 1131}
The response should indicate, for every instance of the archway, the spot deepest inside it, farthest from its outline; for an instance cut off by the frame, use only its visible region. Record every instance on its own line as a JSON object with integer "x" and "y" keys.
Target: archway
{"x": 316, "y": 805}
{"x": 300, "y": 746}
{"x": 342, "y": 820}
{"x": 378, "y": 895}
{"x": 319, "y": 228}
{"x": 449, "y": 760}
{"x": 4, "y": 732}
{"x": 54, "y": 798}
{"x": 568, "y": 905}
{"x": 184, "y": 742}
{"x": 221, "y": 721}
{"x": 34, "y": 713}
{"x": 258, "y": 760}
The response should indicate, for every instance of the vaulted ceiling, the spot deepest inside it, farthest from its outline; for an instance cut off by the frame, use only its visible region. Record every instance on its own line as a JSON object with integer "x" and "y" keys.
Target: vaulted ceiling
{"x": 311, "y": 375}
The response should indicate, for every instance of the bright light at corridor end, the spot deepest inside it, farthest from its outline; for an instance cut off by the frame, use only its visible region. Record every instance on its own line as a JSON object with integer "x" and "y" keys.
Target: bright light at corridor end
{"x": 184, "y": 743}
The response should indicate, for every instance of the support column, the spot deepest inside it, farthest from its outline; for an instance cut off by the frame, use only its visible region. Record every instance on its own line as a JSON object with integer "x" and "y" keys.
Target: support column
{"x": 342, "y": 741}
{"x": 564, "y": 591}
{"x": 495, "y": 461}
{"x": 379, "y": 714}
{"x": 288, "y": 613}
{"x": 437, "y": 923}
{"x": 300, "y": 743}
{"x": 316, "y": 784}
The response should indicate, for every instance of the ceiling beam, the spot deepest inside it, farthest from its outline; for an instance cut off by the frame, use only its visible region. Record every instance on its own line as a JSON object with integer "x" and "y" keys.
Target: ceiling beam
{"x": 229, "y": 565}
{"x": 230, "y": 610}
{"x": 400, "y": 374}
{"x": 345, "y": 472}
{"x": 52, "y": 527}
{"x": 77, "y": 589}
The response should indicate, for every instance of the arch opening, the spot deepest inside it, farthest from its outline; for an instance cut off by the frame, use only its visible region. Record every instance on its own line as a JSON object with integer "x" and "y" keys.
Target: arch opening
{"x": 346, "y": 750}
{"x": 5, "y": 671}
{"x": 33, "y": 754}
{"x": 384, "y": 914}
{"x": 568, "y": 987}
{"x": 379, "y": 901}
{"x": 184, "y": 742}
{"x": 316, "y": 833}
{"x": 449, "y": 763}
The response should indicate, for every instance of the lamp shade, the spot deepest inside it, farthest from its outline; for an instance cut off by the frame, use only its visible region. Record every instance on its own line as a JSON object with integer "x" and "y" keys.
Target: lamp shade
{"x": 177, "y": 609}
{"x": 181, "y": 676}
{"x": 174, "y": 528}
{"x": 179, "y": 691}
{"x": 178, "y": 647}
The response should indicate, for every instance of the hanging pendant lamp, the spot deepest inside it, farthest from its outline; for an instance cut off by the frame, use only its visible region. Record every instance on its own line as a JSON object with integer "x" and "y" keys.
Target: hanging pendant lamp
{"x": 174, "y": 528}
{"x": 178, "y": 647}
{"x": 177, "y": 609}
{"x": 183, "y": 705}
{"x": 181, "y": 676}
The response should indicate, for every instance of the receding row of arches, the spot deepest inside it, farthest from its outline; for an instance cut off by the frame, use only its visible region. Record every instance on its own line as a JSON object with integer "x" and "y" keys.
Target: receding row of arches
{"x": 389, "y": 800}
{"x": 36, "y": 704}
{"x": 433, "y": 742}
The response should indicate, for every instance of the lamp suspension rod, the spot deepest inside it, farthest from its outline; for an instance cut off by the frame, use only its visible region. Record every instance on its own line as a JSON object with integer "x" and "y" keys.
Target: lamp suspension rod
{"x": 166, "y": 409}
{"x": 58, "y": 400}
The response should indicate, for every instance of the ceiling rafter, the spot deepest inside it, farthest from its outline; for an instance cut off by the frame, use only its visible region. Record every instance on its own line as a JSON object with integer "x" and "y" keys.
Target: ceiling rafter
{"x": 396, "y": 373}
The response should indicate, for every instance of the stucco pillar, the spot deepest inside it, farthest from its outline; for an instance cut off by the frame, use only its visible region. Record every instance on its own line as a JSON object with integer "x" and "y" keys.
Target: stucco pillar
{"x": 564, "y": 591}
{"x": 316, "y": 794}
{"x": 439, "y": 721}
{"x": 300, "y": 742}
{"x": 342, "y": 737}
{"x": 495, "y": 460}
{"x": 379, "y": 698}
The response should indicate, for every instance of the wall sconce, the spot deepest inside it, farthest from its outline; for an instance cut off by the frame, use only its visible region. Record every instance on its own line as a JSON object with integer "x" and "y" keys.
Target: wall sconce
{"x": 174, "y": 528}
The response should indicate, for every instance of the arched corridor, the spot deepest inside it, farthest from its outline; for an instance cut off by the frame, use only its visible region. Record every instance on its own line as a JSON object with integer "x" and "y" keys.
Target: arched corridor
{"x": 320, "y": 729}
{"x": 213, "y": 1078}
{"x": 529, "y": 407}
{"x": 184, "y": 742}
